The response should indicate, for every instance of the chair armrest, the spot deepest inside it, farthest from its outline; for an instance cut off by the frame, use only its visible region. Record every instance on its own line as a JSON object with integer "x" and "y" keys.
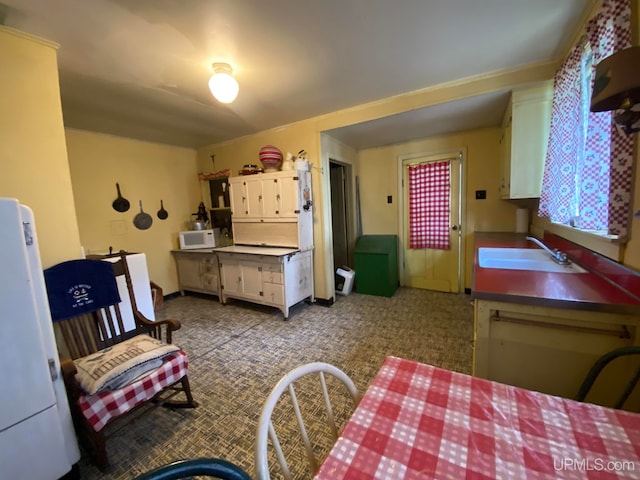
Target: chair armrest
{"x": 155, "y": 328}
{"x": 69, "y": 370}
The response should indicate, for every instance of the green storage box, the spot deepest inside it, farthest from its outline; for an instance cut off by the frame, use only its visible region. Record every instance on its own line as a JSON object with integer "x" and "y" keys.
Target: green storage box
{"x": 376, "y": 265}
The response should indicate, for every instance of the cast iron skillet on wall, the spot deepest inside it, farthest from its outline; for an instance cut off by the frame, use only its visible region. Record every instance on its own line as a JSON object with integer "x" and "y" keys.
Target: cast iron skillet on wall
{"x": 120, "y": 204}
{"x": 162, "y": 213}
{"x": 143, "y": 220}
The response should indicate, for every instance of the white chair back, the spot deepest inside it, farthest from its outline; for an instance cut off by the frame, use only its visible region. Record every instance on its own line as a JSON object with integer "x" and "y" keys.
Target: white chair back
{"x": 266, "y": 429}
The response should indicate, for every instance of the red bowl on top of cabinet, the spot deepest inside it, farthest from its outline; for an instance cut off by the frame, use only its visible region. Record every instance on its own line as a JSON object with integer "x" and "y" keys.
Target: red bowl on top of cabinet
{"x": 271, "y": 158}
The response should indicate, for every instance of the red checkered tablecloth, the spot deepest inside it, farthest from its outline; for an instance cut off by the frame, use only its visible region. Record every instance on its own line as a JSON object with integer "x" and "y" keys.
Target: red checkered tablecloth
{"x": 98, "y": 409}
{"x": 417, "y": 421}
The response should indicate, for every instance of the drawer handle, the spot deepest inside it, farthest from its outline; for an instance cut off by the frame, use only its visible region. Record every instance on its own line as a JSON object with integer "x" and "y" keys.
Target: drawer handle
{"x": 622, "y": 333}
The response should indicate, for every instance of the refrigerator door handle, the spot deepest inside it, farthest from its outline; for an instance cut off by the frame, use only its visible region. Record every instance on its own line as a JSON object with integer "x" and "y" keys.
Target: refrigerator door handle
{"x": 28, "y": 234}
{"x": 52, "y": 369}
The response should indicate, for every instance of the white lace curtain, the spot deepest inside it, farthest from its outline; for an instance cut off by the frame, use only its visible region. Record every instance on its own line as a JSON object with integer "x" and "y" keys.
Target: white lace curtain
{"x": 588, "y": 176}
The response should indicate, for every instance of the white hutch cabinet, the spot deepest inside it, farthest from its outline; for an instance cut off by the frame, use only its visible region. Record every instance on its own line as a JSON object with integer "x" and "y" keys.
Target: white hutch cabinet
{"x": 271, "y": 261}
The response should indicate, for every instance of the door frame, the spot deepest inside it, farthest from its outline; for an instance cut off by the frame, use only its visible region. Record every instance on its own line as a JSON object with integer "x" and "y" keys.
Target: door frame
{"x": 461, "y": 154}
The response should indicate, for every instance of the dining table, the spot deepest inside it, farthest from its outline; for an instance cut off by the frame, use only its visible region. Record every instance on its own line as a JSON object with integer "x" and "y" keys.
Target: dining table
{"x": 419, "y": 421}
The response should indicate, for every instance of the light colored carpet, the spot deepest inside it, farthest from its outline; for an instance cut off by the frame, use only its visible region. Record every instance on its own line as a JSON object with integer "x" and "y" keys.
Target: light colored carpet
{"x": 238, "y": 352}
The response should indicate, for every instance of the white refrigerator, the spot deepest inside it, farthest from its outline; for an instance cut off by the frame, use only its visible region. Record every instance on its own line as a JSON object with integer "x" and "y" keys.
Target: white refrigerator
{"x": 37, "y": 440}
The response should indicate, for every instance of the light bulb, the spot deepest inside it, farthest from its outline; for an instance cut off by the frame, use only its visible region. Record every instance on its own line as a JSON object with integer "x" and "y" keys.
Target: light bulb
{"x": 222, "y": 85}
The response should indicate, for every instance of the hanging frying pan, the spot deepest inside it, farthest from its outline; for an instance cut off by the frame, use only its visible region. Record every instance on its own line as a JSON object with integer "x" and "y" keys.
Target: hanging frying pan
{"x": 120, "y": 204}
{"x": 142, "y": 221}
{"x": 162, "y": 213}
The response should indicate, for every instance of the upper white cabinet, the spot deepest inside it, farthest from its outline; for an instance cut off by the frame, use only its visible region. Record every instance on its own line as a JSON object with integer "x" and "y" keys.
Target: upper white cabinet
{"x": 272, "y": 209}
{"x": 278, "y": 195}
{"x": 525, "y": 132}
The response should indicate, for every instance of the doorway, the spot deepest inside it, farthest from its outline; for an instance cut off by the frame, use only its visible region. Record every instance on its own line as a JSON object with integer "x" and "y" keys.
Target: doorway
{"x": 340, "y": 182}
{"x": 437, "y": 268}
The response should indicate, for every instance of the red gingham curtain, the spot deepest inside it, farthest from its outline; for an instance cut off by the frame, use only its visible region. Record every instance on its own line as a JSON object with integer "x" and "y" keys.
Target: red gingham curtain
{"x": 429, "y": 205}
{"x": 608, "y": 32}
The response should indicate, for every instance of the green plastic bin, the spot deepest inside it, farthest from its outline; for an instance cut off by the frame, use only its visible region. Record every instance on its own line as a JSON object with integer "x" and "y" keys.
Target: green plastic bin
{"x": 376, "y": 265}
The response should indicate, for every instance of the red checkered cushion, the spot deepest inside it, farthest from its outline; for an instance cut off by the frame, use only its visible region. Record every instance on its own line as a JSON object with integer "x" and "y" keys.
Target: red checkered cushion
{"x": 98, "y": 409}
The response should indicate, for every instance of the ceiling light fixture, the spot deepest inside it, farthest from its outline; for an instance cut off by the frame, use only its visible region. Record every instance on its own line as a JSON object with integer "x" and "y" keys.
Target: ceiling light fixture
{"x": 617, "y": 87}
{"x": 222, "y": 85}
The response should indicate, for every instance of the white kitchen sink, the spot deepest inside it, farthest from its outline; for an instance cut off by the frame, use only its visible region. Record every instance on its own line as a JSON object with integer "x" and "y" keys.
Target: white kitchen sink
{"x": 523, "y": 259}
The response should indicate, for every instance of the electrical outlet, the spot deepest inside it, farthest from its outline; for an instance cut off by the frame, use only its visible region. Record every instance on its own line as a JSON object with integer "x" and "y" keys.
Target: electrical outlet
{"x": 481, "y": 194}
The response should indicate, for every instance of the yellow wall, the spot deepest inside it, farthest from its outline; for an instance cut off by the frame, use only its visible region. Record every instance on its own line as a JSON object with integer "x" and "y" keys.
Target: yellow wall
{"x": 378, "y": 172}
{"x": 145, "y": 171}
{"x": 33, "y": 156}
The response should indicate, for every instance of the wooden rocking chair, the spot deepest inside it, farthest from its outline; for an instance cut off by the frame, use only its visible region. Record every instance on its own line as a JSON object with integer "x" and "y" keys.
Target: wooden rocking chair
{"x": 88, "y": 314}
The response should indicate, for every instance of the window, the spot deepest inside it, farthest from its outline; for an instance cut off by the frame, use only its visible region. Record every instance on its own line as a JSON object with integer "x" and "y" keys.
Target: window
{"x": 587, "y": 179}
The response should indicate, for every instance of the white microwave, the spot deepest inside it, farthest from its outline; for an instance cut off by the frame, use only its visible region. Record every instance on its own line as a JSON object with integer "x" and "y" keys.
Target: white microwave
{"x": 192, "y": 239}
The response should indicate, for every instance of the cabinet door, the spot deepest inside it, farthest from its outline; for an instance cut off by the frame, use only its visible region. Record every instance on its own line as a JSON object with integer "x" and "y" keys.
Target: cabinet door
{"x": 505, "y": 164}
{"x": 251, "y": 279}
{"x": 210, "y": 274}
{"x": 253, "y": 187}
{"x": 242, "y": 278}
{"x": 189, "y": 271}
{"x": 271, "y": 197}
{"x": 289, "y": 195}
{"x": 281, "y": 196}
{"x": 231, "y": 276}
{"x": 210, "y": 282}
{"x": 274, "y": 293}
{"x": 526, "y": 137}
{"x": 238, "y": 198}
{"x": 530, "y": 135}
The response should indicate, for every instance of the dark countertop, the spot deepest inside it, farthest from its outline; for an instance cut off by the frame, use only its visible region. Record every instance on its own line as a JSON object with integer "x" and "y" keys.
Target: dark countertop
{"x": 579, "y": 291}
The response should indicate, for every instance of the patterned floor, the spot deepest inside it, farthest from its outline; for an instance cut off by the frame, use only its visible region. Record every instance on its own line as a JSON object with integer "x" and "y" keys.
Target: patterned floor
{"x": 238, "y": 352}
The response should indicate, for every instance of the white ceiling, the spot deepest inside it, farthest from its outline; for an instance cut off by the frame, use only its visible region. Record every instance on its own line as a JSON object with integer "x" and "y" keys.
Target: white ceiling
{"x": 139, "y": 68}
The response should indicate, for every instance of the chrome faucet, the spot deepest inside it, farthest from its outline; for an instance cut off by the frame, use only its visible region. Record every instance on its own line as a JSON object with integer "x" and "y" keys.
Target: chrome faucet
{"x": 556, "y": 255}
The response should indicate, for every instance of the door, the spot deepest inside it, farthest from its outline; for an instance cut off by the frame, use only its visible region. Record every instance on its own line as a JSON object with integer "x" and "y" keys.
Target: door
{"x": 339, "y": 216}
{"x": 437, "y": 267}
{"x": 26, "y": 382}
{"x": 189, "y": 270}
